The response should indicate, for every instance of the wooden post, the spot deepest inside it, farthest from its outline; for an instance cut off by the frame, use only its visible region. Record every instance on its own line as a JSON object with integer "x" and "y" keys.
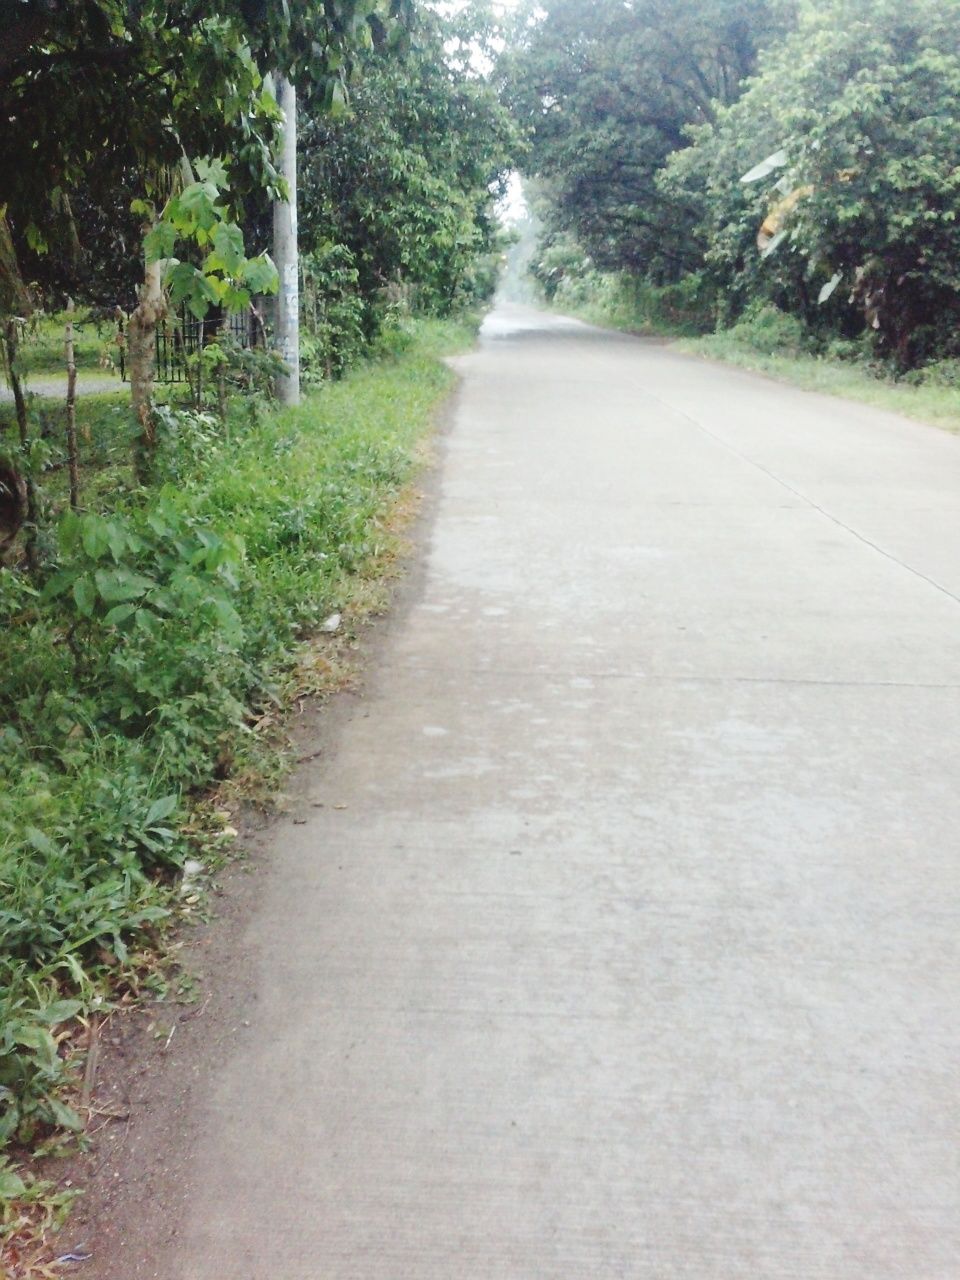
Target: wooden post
{"x": 222, "y": 391}
{"x": 141, "y": 357}
{"x": 72, "y": 463}
{"x": 12, "y": 337}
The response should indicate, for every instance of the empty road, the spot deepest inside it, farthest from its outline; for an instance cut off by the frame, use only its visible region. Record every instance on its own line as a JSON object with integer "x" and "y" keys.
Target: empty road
{"x": 625, "y": 943}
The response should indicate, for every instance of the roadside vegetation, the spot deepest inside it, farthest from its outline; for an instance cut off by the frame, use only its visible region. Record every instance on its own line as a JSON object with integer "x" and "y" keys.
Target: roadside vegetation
{"x": 147, "y": 664}
{"x": 775, "y": 182}
{"x": 172, "y": 546}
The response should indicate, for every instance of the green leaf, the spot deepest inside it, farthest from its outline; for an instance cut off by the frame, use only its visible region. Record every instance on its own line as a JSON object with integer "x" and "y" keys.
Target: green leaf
{"x": 64, "y": 1115}
{"x": 85, "y": 595}
{"x": 160, "y": 242}
{"x": 147, "y": 622}
{"x": 260, "y": 275}
{"x": 69, "y": 531}
{"x": 42, "y": 1043}
{"x": 228, "y": 245}
{"x": 58, "y": 585}
{"x": 12, "y": 1186}
{"x": 119, "y": 585}
{"x": 94, "y": 536}
{"x": 213, "y": 171}
{"x": 236, "y": 299}
{"x": 41, "y": 842}
{"x": 338, "y": 99}
{"x": 161, "y": 808}
{"x": 119, "y": 613}
{"x": 117, "y": 540}
{"x": 8, "y": 1127}
{"x": 59, "y": 1011}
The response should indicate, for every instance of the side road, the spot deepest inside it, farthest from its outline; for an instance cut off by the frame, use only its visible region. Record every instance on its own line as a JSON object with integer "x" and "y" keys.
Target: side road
{"x": 619, "y": 935}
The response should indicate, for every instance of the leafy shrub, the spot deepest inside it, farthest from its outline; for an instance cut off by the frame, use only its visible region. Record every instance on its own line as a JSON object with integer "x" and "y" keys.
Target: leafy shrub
{"x": 939, "y": 373}
{"x": 770, "y": 331}
{"x": 333, "y": 313}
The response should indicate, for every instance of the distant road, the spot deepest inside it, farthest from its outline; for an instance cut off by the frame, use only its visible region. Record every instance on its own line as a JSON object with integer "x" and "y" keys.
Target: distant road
{"x": 54, "y": 386}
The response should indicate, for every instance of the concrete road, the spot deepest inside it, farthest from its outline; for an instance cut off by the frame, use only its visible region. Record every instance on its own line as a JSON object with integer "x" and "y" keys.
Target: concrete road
{"x": 633, "y": 948}
{"x": 53, "y": 386}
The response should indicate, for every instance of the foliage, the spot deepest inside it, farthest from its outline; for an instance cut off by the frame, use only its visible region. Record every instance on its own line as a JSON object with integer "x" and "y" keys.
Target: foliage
{"x": 197, "y": 217}
{"x": 857, "y": 112}
{"x": 136, "y": 672}
{"x": 607, "y": 91}
{"x": 332, "y": 333}
{"x": 825, "y": 187}
{"x": 101, "y": 100}
{"x": 404, "y": 181}
{"x": 767, "y": 329}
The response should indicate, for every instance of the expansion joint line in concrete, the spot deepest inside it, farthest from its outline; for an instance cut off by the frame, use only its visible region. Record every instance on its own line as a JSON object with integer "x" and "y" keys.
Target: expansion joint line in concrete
{"x": 650, "y": 677}
{"x": 798, "y": 493}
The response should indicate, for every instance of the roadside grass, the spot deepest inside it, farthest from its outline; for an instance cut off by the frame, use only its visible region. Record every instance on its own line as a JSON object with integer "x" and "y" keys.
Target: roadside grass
{"x": 94, "y": 343}
{"x": 925, "y": 401}
{"x": 152, "y": 663}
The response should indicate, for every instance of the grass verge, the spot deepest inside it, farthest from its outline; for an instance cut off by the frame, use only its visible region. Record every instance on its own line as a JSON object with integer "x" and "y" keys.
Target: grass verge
{"x": 146, "y": 664}
{"x": 939, "y": 405}
{"x": 768, "y": 341}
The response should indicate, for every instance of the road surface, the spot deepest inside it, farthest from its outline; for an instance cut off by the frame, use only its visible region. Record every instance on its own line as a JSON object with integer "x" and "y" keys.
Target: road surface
{"x": 53, "y": 386}
{"x": 625, "y": 943}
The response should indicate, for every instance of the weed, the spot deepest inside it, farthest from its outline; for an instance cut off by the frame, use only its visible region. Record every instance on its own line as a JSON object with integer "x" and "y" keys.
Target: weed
{"x": 166, "y": 626}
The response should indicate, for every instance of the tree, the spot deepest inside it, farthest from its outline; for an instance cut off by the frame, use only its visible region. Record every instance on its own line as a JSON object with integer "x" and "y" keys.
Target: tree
{"x": 405, "y": 179}
{"x": 607, "y": 90}
{"x": 858, "y": 202}
{"x": 107, "y": 96}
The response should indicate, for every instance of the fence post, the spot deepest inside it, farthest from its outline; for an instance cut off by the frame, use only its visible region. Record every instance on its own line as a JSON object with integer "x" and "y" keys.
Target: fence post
{"x": 72, "y": 463}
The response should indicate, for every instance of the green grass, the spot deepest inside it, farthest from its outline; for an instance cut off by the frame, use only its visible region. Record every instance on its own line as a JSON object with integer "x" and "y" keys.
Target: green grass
{"x": 94, "y": 344}
{"x": 140, "y": 662}
{"x": 925, "y": 402}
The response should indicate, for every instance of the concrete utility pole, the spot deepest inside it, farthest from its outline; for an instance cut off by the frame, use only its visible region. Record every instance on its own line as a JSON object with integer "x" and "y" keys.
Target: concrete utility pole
{"x": 287, "y": 326}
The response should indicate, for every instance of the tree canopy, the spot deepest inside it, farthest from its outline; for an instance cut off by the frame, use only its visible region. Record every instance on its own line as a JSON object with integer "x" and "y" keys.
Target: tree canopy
{"x": 804, "y": 155}
{"x": 105, "y": 97}
{"x": 858, "y": 205}
{"x": 607, "y": 90}
{"x": 405, "y": 179}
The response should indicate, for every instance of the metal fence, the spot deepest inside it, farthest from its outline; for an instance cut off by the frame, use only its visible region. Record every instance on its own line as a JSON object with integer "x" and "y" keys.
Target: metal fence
{"x": 181, "y": 336}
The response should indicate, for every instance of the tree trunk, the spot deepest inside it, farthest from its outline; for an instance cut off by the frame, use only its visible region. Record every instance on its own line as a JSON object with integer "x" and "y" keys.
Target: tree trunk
{"x": 28, "y": 492}
{"x": 141, "y": 355}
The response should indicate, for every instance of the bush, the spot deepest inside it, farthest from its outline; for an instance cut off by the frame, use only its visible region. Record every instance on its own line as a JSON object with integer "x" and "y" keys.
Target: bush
{"x": 940, "y": 373}
{"x": 771, "y": 331}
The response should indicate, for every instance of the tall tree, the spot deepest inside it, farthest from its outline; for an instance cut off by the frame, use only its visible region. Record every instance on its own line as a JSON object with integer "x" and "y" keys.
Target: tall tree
{"x": 607, "y": 90}
{"x": 405, "y": 180}
{"x": 850, "y": 141}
